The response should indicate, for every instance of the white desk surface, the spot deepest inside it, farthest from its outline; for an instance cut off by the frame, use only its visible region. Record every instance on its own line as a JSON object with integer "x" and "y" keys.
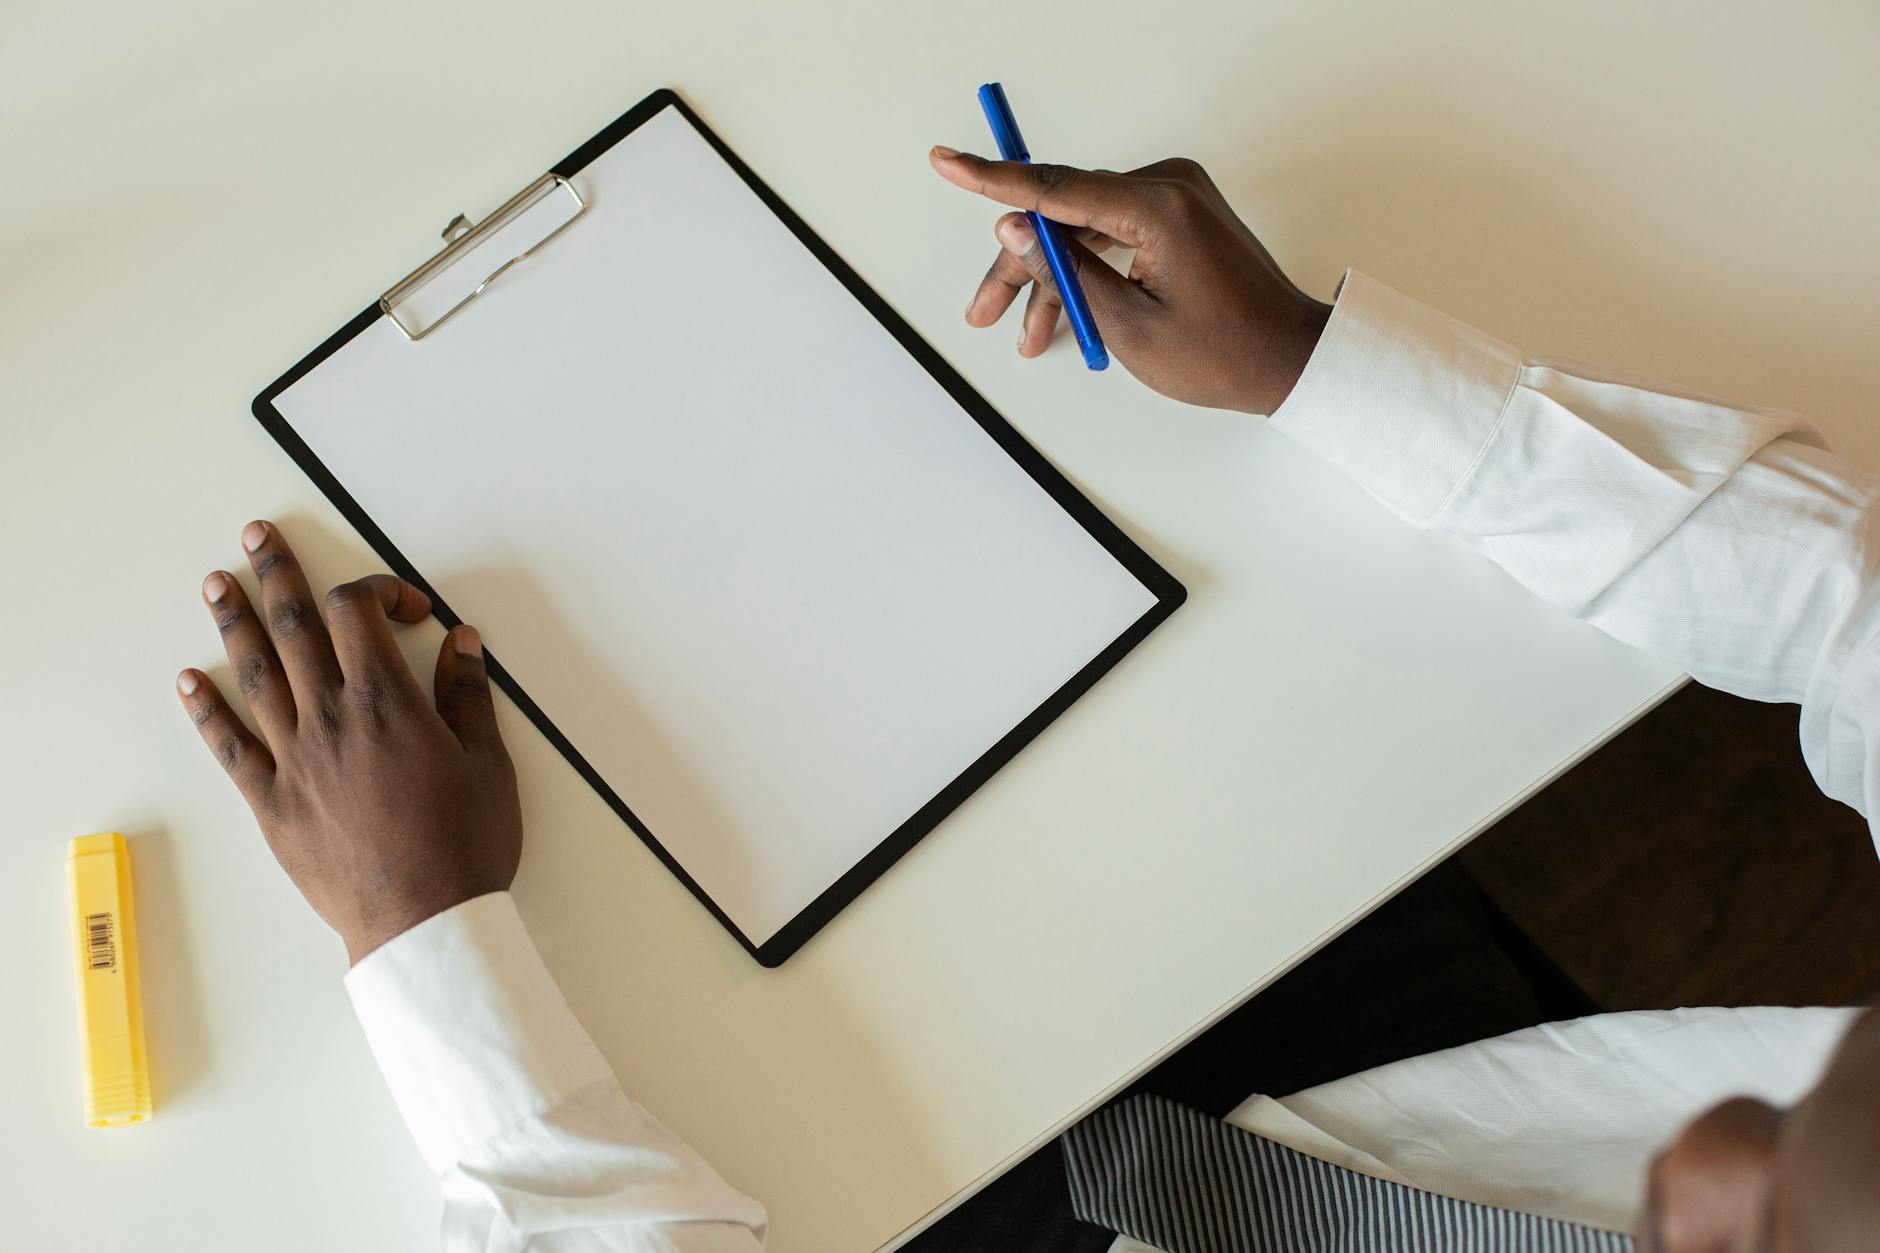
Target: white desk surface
{"x": 196, "y": 193}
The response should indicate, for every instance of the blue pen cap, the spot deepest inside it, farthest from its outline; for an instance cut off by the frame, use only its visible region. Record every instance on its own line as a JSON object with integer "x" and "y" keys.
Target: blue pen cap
{"x": 1004, "y": 125}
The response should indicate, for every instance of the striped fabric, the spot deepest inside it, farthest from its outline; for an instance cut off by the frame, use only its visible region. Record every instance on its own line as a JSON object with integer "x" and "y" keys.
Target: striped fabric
{"x": 1175, "y": 1178}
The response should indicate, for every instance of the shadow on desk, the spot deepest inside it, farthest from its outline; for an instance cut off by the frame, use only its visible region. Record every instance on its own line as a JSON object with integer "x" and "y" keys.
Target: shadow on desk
{"x": 174, "y": 1028}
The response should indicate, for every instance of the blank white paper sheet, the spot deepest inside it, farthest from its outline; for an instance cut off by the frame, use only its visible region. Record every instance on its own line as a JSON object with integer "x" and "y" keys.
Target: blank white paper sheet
{"x": 773, "y": 583}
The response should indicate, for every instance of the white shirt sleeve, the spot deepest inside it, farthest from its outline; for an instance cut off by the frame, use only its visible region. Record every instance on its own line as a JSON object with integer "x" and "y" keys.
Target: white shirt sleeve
{"x": 513, "y": 1107}
{"x": 1722, "y": 538}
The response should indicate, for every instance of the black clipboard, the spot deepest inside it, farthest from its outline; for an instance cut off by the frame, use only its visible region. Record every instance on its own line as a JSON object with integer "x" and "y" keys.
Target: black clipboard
{"x": 1167, "y": 591}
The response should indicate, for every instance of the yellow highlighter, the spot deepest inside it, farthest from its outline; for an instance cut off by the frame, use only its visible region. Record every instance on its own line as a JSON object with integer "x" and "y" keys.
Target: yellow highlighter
{"x": 111, "y": 1009}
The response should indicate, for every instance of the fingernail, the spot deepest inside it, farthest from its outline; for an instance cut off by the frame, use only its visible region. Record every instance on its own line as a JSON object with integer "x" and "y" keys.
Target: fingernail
{"x": 187, "y": 682}
{"x": 1021, "y": 337}
{"x": 1017, "y": 236}
{"x": 215, "y": 587}
{"x": 254, "y": 535}
{"x": 941, "y": 150}
{"x": 972, "y": 304}
{"x": 466, "y": 641}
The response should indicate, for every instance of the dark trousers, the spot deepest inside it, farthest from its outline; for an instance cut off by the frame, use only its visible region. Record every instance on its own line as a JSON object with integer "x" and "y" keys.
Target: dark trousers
{"x": 1436, "y": 966}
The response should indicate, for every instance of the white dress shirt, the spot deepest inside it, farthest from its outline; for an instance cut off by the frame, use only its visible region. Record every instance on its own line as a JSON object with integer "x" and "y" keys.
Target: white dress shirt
{"x": 1723, "y": 538}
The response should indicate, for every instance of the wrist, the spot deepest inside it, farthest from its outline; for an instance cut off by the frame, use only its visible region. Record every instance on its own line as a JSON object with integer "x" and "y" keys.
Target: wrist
{"x": 1290, "y": 341}
{"x": 390, "y": 918}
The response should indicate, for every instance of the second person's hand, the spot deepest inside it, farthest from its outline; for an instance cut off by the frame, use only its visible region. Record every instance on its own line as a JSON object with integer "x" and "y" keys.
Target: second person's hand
{"x": 1204, "y": 316}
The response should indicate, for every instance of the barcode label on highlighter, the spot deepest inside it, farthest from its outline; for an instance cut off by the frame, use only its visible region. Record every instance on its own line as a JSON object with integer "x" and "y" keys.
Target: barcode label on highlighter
{"x": 101, "y": 941}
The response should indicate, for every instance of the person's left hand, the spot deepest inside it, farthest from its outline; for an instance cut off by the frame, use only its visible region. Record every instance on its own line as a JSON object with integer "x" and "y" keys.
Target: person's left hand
{"x": 382, "y": 807}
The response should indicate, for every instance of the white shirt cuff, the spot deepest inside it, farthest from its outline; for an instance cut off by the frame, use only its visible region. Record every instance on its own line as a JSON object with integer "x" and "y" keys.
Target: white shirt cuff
{"x": 469, "y": 1029}
{"x": 1400, "y": 397}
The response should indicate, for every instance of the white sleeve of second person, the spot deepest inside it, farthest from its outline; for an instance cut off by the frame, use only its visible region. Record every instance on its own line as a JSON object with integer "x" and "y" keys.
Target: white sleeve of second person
{"x": 533, "y": 1142}
{"x": 1723, "y": 538}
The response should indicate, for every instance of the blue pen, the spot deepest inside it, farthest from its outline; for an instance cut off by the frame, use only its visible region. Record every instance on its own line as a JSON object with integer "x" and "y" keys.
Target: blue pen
{"x": 1050, "y": 234}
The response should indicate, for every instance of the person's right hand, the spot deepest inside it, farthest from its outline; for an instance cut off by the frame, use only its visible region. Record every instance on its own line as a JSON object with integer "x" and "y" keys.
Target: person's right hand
{"x": 1204, "y": 315}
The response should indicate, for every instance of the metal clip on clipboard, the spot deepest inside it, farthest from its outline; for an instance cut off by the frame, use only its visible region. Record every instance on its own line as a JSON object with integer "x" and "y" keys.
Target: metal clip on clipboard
{"x": 461, "y": 237}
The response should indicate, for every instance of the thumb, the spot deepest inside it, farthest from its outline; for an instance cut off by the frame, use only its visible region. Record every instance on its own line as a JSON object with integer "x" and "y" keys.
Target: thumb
{"x": 1115, "y": 301}
{"x": 463, "y": 691}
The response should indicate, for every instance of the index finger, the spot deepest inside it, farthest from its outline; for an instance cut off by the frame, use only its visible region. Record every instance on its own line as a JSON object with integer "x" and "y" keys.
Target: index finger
{"x": 1110, "y": 203}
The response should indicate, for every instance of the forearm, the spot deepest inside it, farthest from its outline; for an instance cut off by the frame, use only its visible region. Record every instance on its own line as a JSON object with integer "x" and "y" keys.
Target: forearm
{"x": 516, "y": 1111}
{"x": 1720, "y": 537}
